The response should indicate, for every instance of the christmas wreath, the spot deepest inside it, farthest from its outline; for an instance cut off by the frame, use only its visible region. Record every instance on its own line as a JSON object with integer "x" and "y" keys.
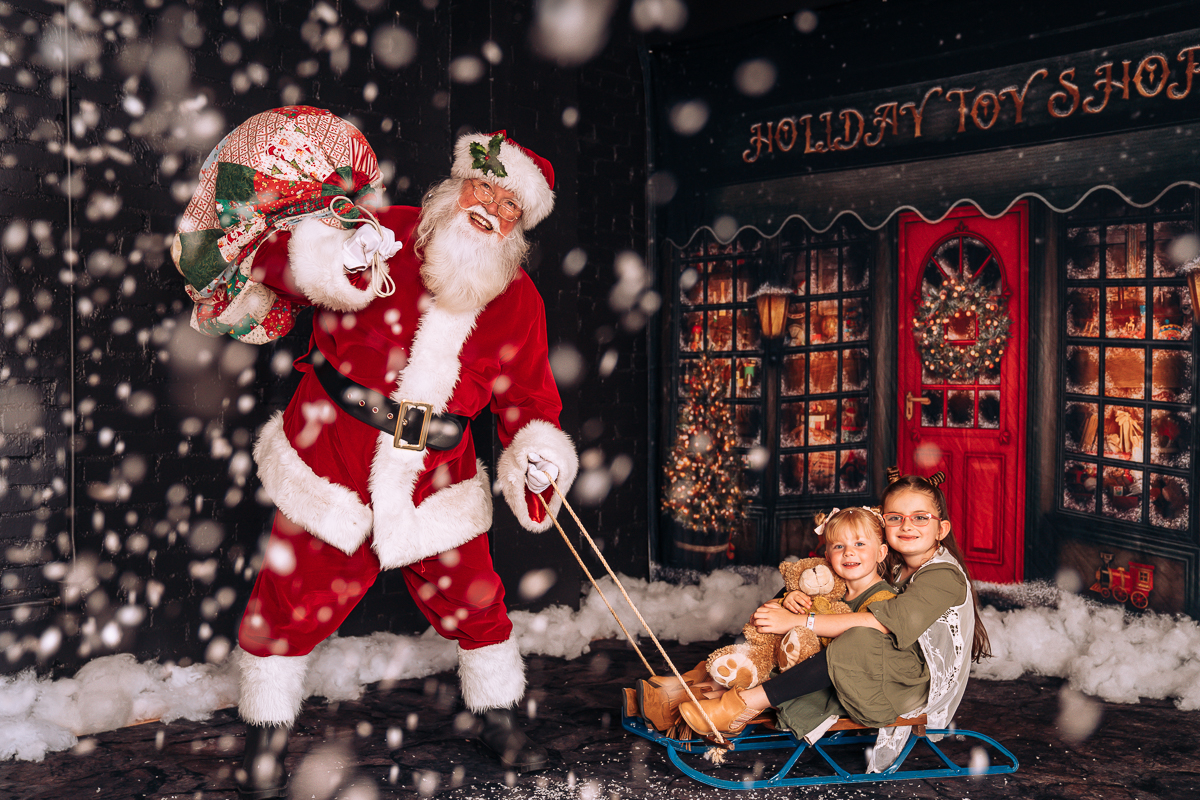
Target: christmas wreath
{"x": 943, "y": 304}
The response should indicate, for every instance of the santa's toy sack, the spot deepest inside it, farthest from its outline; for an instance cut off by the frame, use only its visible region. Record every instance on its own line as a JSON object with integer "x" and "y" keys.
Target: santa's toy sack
{"x": 270, "y": 173}
{"x": 838, "y": 757}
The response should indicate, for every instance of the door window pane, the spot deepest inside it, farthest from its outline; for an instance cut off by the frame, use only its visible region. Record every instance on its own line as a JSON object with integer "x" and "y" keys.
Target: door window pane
{"x": 791, "y": 474}
{"x": 1123, "y": 433}
{"x": 1122, "y": 493}
{"x": 853, "y": 473}
{"x": 1170, "y": 433}
{"x": 932, "y": 412}
{"x": 1172, "y": 313}
{"x": 1079, "y": 486}
{"x": 1124, "y": 372}
{"x": 1125, "y": 315}
{"x": 720, "y": 329}
{"x": 855, "y": 366}
{"x": 749, "y": 377}
{"x": 989, "y": 409}
{"x": 1081, "y": 424}
{"x": 1083, "y": 369}
{"x": 796, "y": 330}
{"x": 792, "y": 425}
{"x": 792, "y": 379}
{"x": 1170, "y": 501}
{"x": 1083, "y": 312}
{"x": 822, "y": 422}
{"x": 854, "y": 419}
{"x": 822, "y": 372}
{"x": 960, "y": 409}
{"x": 825, "y": 322}
{"x": 749, "y": 425}
{"x": 822, "y": 470}
{"x": 1171, "y": 376}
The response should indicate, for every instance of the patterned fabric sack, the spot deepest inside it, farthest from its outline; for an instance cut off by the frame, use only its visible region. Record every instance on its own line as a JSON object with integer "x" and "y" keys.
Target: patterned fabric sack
{"x": 273, "y": 171}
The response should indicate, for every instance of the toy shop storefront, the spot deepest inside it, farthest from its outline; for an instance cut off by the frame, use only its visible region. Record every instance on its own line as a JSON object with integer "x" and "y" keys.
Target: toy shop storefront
{"x": 981, "y": 273}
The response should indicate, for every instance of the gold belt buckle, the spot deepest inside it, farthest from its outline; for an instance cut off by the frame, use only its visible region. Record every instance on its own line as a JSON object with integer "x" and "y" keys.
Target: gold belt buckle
{"x": 426, "y": 411}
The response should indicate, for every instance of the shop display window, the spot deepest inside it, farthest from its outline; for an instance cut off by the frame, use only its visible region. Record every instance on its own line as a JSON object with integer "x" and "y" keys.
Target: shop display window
{"x": 818, "y": 373}
{"x": 1128, "y": 367}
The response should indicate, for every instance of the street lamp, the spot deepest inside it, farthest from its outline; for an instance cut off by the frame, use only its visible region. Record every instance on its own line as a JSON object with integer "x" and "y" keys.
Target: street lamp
{"x": 1192, "y": 270}
{"x": 772, "y": 304}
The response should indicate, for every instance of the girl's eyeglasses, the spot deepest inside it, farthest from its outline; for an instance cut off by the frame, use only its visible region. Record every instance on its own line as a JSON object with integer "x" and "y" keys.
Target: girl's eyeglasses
{"x": 896, "y": 520}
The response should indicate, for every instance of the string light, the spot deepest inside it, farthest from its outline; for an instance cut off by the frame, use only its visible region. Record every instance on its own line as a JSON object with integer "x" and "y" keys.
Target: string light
{"x": 704, "y": 471}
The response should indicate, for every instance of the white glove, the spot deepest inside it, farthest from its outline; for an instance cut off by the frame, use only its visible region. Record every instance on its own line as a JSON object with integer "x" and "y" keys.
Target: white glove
{"x": 360, "y": 249}
{"x": 539, "y": 474}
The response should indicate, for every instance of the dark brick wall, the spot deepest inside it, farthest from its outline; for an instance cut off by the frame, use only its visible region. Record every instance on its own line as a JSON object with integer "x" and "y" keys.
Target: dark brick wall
{"x": 132, "y": 523}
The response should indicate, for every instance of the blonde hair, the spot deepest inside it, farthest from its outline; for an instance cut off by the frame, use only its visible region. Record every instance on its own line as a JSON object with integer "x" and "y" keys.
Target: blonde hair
{"x": 839, "y": 518}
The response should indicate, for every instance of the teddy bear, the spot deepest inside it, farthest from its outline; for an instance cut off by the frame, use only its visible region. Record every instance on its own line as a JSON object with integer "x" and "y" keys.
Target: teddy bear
{"x": 746, "y": 665}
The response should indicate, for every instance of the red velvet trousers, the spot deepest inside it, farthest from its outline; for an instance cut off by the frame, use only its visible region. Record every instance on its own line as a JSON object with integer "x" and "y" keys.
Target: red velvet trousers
{"x": 307, "y": 588}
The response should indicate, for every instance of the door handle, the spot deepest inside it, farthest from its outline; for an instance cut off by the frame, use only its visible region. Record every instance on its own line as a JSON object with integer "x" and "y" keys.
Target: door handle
{"x": 908, "y": 403}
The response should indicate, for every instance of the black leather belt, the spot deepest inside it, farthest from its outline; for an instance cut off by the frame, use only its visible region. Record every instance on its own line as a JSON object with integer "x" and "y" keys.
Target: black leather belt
{"x": 421, "y": 428}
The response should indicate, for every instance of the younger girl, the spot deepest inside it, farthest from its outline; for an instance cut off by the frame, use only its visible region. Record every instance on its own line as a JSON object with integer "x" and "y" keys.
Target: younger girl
{"x": 907, "y": 655}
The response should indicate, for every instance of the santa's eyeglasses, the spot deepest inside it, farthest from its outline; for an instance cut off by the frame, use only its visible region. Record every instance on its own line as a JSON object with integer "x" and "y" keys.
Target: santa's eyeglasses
{"x": 507, "y": 209}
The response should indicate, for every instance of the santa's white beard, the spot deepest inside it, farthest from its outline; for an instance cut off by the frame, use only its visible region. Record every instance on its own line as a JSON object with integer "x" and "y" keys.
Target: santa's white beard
{"x": 463, "y": 267}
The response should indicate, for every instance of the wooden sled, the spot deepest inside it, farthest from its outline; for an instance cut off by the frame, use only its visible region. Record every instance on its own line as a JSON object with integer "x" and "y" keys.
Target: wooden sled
{"x": 761, "y": 735}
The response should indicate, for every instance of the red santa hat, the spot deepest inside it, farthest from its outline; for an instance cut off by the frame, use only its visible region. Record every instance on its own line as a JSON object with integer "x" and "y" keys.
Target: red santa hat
{"x": 499, "y": 160}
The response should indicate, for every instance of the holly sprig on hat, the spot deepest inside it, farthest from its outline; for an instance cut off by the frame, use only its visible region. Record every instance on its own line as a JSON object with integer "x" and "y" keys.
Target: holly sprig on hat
{"x": 489, "y": 160}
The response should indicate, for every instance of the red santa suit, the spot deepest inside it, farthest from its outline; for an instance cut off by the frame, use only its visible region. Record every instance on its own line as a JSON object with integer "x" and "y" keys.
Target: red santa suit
{"x": 351, "y": 503}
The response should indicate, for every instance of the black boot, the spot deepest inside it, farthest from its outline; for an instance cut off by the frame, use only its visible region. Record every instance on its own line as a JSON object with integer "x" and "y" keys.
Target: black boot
{"x": 262, "y": 774}
{"x": 500, "y": 732}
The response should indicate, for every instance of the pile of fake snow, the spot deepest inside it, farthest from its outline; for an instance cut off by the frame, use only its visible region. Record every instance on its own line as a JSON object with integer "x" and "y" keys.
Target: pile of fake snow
{"x": 1099, "y": 649}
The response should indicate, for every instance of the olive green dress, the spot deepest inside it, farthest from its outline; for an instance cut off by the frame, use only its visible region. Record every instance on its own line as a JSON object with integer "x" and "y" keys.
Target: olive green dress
{"x": 880, "y": 676}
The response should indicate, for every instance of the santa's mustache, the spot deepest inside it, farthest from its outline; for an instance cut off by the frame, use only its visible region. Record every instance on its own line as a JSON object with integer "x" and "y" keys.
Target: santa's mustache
{"x": 491, "y": 219}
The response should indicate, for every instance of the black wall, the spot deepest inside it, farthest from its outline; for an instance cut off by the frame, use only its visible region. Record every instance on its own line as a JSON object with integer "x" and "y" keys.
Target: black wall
{"x": 130, "y": 515}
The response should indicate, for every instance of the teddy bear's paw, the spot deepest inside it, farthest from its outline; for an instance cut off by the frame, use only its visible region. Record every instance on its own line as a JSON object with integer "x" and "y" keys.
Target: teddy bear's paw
{"x": 734, "y": 670}
{"x": 793, "y": 648}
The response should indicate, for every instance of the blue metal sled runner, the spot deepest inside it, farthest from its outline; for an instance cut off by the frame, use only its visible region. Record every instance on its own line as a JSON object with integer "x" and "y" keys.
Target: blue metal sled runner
{"x": 759, "y": 738}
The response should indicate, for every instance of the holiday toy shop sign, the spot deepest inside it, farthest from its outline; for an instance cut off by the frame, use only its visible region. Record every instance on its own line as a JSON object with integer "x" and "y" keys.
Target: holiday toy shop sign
{"x": 1138, "y": 85}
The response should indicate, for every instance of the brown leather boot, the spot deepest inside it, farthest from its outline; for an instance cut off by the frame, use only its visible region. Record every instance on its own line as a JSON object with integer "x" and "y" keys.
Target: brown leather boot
{"x": 658, "y": 698}
{"x": 728, "y": 712}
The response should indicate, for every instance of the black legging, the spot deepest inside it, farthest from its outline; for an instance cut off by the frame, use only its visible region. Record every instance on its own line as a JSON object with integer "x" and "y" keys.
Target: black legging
{"x": 807, "y": 676}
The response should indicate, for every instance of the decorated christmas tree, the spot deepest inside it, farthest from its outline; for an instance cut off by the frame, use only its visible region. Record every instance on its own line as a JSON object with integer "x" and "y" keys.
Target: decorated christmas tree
{"x": 704, "y": 470}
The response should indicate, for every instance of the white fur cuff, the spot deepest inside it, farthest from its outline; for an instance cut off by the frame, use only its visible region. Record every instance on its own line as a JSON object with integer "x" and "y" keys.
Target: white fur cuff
{"x": 272, "y": 688}
{"x": 327, "y": 510}
{"x": 492, "y": 676}
{"x": 315, "y": 258}
{"x": 552, "y": 445}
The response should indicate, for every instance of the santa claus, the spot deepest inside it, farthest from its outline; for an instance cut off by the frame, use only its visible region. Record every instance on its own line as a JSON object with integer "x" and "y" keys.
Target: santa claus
{"x": 423, "y": 317}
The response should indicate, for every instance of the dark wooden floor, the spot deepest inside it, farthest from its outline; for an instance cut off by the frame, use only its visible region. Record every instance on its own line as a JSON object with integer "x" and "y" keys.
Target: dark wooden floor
{"x": 1137, "y": 752}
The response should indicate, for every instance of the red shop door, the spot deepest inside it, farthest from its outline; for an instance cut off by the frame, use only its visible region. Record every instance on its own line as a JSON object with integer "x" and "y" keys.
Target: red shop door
{"x": 961, "y": 394}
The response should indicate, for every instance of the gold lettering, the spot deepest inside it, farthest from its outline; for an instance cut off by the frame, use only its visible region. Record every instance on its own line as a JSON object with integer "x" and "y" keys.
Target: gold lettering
{"x": 1106, "y": 83}
{"x": 791, "y": 127}
{"x": 884, "y": 115}
{"x": 826, "y": 145}
{"x": 844, "y": 143}
{"x": 919, "y": 113}
{"x": 1019, "y": 99}
{"x": 1189, "y": 69}
{"x": 962, "y": 105}
{"x": 757, "y": 140}
{"x": 985, "y": 103}
{"x": 806, "y": 121}
{"x": 1151, "y": 65}
{"x": 1072, "y": 91}
{"x": 1125, "y": 80}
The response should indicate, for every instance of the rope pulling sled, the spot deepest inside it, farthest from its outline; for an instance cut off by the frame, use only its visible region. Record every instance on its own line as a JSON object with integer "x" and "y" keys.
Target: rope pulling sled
{"x": 762, "y": 735}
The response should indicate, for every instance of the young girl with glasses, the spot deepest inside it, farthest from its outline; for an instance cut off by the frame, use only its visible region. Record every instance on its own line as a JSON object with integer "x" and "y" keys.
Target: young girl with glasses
{"x": 904, "y": 656}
